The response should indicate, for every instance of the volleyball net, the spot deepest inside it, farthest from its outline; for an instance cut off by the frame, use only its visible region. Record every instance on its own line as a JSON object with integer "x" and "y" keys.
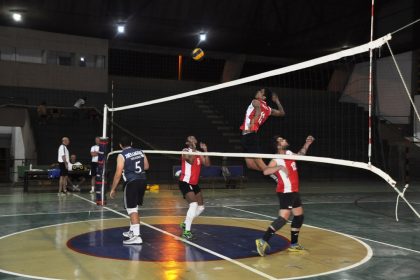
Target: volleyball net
{"x": 329, "y": 97}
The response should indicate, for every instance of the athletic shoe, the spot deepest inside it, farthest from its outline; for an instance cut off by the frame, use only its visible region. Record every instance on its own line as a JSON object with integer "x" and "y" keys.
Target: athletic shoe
{"x": 295, "y": 248}
{"x": 187, "y": 235}
{"x": 134, "y": 240}
{"x": 128, "y": 234}
{"x": 262, "y": 246}
{"x": 182, "y": 226}
{"x": 92, "y": 190}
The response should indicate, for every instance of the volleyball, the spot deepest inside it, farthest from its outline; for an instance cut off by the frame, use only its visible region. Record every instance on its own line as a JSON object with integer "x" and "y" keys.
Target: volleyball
{"x": 197, "y": 54}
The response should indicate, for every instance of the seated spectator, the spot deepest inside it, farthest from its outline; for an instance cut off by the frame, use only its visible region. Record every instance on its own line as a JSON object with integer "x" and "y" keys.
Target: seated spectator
{"x": 75, "y": 180}
{"x": 92, "y": 115}
{"x": 56, "y": 113}
{"x": 42, "y": 112}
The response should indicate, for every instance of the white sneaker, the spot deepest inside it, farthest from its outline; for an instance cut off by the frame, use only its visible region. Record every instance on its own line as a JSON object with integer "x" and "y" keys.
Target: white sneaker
{"x": 134, "y": 240}
{"x": 128, "y": 234}
{"x": 92, "y": 190}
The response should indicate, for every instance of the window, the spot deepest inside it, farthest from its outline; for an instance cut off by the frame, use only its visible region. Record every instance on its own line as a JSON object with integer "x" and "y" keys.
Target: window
{"x": 7, "y": 54}
{"x": 100, "y": 61}
{"x": 60, "y": 58}
{"x": 91, "y": 61}
{"x": 64, "y": 58}
{"x": 29, "y": 55}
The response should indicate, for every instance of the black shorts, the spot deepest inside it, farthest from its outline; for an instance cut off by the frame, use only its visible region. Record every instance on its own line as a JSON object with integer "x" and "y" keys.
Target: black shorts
{"x": 63, "y": 169}
{"x": 289, "y": 200}
{"x": 134, "y": 193}
{"x": 93, "y": 168}
{"x": 186, "y": 188}
{"x": 75, "y": 176}
{"x": 251, "y": 143}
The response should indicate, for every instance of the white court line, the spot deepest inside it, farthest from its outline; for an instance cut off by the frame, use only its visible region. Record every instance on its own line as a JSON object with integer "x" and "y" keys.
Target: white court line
{"x": 50, "y": 213}
{"x": 251, "y": 269}
{"x": 355, "y": 236}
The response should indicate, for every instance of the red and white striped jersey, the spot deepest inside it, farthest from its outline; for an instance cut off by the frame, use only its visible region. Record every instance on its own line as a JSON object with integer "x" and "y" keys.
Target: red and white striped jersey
{"x": 287, "y": 182}
{"x": 250, "y": 114}
{"x": 190, "y": 173}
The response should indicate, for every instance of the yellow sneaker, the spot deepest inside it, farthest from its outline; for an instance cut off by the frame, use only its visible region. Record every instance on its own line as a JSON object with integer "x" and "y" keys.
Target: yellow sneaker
{"x": 295, "y": 248}
{"x": 262, "y": 246}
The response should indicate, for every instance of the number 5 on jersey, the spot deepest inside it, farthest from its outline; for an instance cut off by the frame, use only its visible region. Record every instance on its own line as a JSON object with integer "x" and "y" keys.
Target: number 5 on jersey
{"x": 138, "y": 167}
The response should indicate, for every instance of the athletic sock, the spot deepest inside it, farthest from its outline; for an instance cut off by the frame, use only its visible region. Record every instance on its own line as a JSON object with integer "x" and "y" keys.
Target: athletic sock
{"x": 199, "y": 210}
{"x": 268, "y": 234}
{"x": 294, "y": 235}
{"x": 190, "y": 215}
{"x": 136, "y": 229}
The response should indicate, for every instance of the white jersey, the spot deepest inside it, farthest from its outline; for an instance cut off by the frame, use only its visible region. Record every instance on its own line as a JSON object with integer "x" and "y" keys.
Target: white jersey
{"x": 63, "y": 151}
{"x": 94, "y": 148}
{"x": 79, "y": 103}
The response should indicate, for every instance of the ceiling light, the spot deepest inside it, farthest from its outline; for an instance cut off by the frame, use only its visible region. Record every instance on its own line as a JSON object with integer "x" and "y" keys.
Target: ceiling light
{"x": 17, "y": 17}
{"x": 203, "y": 36}
{"x": 82, "y": 58}
{"x": 120, "y": 28}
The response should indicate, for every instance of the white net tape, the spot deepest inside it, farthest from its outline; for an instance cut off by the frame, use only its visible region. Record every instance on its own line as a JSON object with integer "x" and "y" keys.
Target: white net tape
{"x": 295, "y": 67}
{"x": 341, "y": 162}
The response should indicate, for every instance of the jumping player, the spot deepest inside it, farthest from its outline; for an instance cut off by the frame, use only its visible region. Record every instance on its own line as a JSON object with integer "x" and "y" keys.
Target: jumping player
{"x": 188, "y": 183}
{"x": 131, "y": 164}
{"x": 256, "y": 114}
{"x": 288, "y": 194}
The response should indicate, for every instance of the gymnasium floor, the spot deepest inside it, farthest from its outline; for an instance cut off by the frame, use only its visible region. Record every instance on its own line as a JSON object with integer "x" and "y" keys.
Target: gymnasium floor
{"x": 48, "y": 237}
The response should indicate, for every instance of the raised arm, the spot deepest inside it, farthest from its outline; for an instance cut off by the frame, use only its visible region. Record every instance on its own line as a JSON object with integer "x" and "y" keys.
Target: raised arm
{"x": 256, "y": 104}
{"x": 279, "y": 112}
{"x": 188, "y": 158}
{"x": 204, "y": 159}
{"x": 272, "y": 168}
{"x": 309, "y": 140}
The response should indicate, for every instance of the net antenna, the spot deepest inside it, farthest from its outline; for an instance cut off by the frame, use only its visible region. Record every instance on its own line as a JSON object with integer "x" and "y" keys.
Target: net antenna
{"x": 373, "y": 44}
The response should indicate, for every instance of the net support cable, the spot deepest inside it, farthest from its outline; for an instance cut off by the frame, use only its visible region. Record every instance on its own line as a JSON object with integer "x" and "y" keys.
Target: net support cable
{"x": 407, "y": 91}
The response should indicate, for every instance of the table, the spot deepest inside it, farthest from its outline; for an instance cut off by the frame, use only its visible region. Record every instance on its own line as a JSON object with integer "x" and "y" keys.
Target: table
{"x": 43, "y": 175}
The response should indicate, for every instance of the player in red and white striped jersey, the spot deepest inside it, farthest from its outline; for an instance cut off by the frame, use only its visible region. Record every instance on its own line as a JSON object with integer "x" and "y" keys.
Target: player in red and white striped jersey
{"x": 188, "y": 183}
{"x": 256, "y": 115}
{"x": 288, "y": 193}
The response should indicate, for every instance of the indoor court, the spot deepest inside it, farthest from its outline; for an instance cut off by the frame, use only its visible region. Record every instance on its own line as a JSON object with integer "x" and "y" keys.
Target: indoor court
{"x": 201, "y": 140}
{"x": 364, "y": 242}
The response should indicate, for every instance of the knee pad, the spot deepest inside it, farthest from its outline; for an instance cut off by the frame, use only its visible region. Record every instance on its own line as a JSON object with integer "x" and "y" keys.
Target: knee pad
{"x": 278, "y": 223}
{"x": 132, "y": 210}
{"x": 297, "y": 221}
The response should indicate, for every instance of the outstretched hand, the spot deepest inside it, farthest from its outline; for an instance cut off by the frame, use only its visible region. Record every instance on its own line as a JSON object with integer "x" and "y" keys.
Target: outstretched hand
{"x": 310, "y": 139}
{"x": 203, "y": 146}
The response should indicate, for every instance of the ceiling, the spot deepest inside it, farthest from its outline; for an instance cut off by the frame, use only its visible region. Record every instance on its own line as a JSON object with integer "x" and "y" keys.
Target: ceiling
{"x": 281, "y": 28}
